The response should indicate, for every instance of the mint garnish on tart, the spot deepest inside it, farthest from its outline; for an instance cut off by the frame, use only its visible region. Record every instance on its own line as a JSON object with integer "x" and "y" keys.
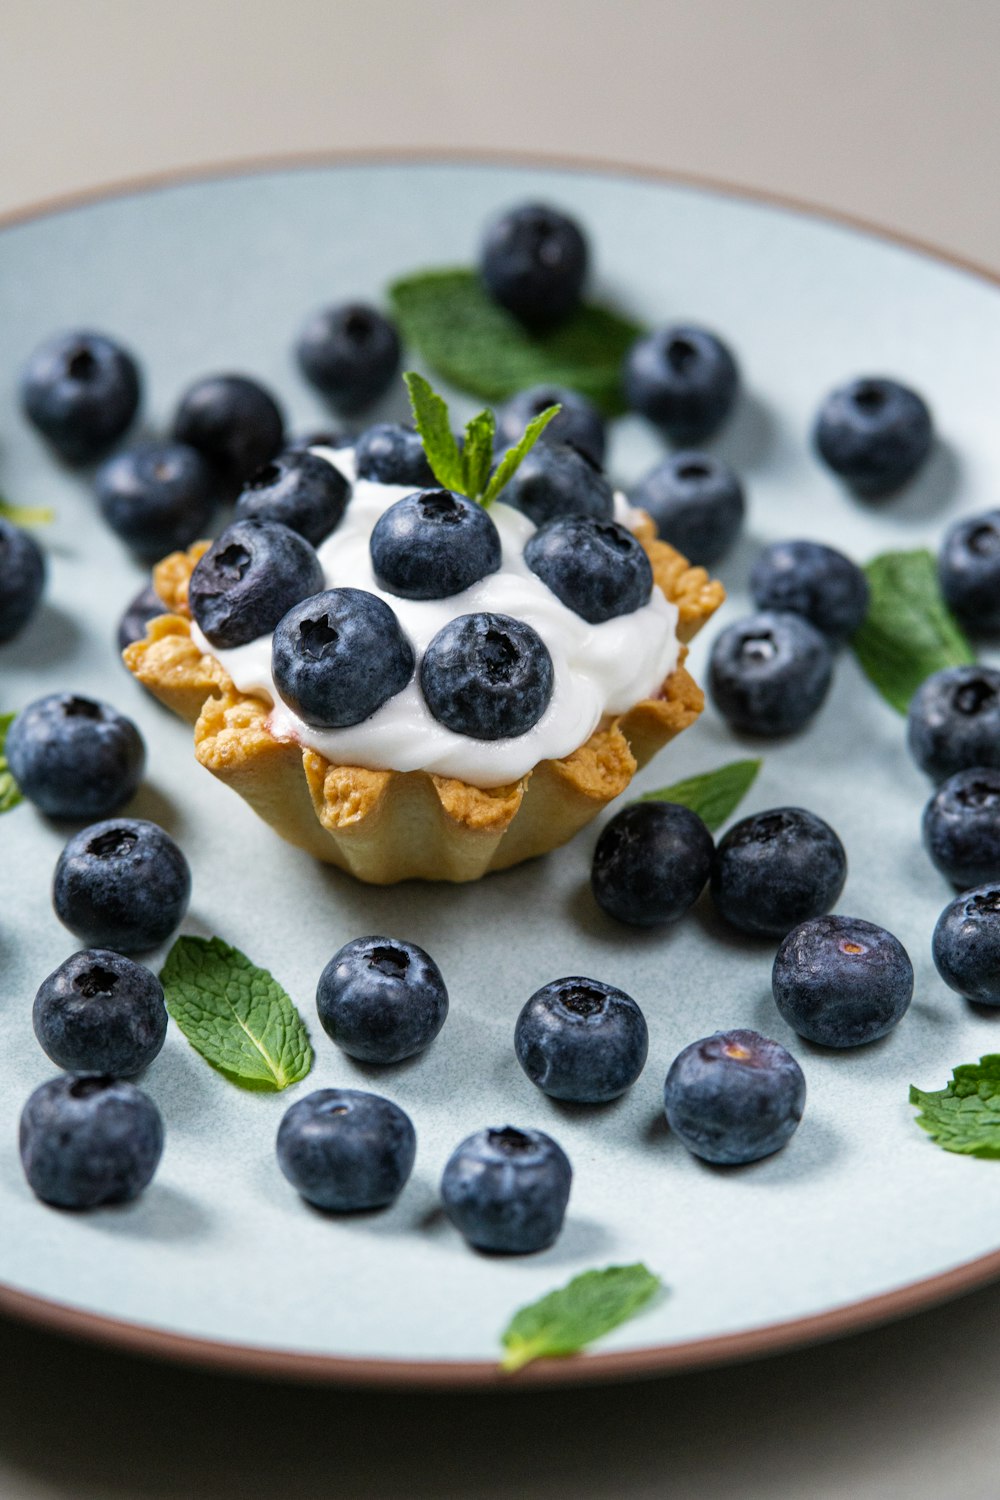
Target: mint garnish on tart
{"x": 466, "y": 470}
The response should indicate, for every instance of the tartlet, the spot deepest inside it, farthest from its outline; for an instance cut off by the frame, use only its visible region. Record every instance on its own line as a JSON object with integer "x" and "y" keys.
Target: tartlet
{"x": 384, "y": 825}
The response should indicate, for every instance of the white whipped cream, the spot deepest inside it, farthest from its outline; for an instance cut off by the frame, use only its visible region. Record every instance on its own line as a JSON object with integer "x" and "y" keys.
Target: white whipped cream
{"x": 600, "y": 670}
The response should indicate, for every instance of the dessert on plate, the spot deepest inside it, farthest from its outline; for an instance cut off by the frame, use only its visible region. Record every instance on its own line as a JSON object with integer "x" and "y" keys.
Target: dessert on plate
{"x": 441, "y": 689}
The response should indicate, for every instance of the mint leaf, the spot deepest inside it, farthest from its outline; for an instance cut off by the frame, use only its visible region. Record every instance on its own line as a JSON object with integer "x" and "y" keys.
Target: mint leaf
{"x": 964, "y": 1116}
{"x": 26, "y": 515}
{"x": 236, "y": 1015}
{"x": 512, "y": 459}
{"x": 580, "y": 1312}
{"x": 908, "y": 632}
{"x": 468, "y": 471}
{"x": 472, "y": 342}
{"x": 10, "y": 792}
{"x": 715, "y": 795}
{"x": 430, "y": 413}
{"x": 477, "y": 454}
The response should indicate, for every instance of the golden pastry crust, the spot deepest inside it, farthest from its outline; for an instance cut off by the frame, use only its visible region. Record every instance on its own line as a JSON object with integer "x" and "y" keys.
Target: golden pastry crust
{"x": 385, "y": 826}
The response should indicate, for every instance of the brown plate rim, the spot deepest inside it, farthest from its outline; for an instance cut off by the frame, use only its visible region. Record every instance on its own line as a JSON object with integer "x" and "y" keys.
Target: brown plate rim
{"x": 772, "y": 1338}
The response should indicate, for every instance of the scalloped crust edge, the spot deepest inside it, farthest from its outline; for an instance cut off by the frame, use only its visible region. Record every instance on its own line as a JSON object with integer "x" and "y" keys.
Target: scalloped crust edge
{"x": 386, "y": 826}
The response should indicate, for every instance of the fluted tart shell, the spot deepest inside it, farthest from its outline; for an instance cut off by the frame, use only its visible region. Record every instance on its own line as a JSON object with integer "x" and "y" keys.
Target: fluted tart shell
{"x": 385, "y": 826}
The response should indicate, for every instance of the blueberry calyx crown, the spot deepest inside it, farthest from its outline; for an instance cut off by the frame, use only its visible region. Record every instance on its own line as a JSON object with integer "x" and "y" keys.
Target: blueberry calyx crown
{"x": 95, "y": 981}
{"x": 582, "y": 1000}
{"x": 392, "y": 962}
{"x": 509, "y": 1140}
{"x": 112, "y": 843}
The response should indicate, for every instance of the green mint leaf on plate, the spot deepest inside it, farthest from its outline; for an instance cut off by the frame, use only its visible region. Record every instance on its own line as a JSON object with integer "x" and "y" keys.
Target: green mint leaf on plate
{"x": 964, "y": 1116}
{"x": 470, "y": 341}
{"x": 908, "y": 632}
{"x": 513, "y": 458}
{"x": 10, "y": 792}
{"x": 477, "y": 454}
{"x": 236, "y": 1015}
{"x": 430, "y": 413}
{"x": 566, "y": 1320}
{"x": 714, "y": 796}
{"x": 26, "y": 515}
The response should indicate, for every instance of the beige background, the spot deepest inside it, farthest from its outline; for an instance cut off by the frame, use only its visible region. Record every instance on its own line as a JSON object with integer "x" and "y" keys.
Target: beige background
{"x": 887, "y": 109}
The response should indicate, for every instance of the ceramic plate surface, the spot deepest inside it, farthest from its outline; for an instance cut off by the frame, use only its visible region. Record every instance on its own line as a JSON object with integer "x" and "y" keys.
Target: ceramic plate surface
{"x": 219, "y": 275}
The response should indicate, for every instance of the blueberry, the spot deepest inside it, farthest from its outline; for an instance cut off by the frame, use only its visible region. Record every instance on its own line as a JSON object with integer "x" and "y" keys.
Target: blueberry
{"x": 969, "y": 570}
{"x": 234, "y": 423}
{"x": 22, "y": 578}
{"x": 579, "y": 423}
{"x": 488, "y": 676}
{"x": 74, "y": 757}
{"x": 966, "y": 944}
{"x": 769, "y": 673}
{"x": 734, "y": 1097}
{"x": 776, "y": 869}
{"x": 651, "y": 863}
{"x": 345, "y": 1150}
{"x": 433, "y": 544}
{"x": 962, "y": 827}
{"x": 816, "y": 582}
{"x": 157, "y": 497}
{"x": 81, "y": 390}
{"x": 533, "y": 261}
{"x": 338, "y": 656}
{"x": 597, "y": 568}
{"x": 86, "y": 1141}
{"x": 684, "y": 379}
{"x": 954, "y": 721}
{"x": 556, "y": 480}
{"x": 300, "y": 490}
{"x": 350, "y": 353}
{"x": 696, "y": 502}
{"x": 874, "y": 433}
{"x": 249, "y": 578}
{"x": 390, "y": 453}
{"x": 505, "y": 1190}
{"x": 100, "y": 1013}
{"x": 582, "y": 1040}
{"x": 841, "y": 981}
{"x": 146, "y": 605}
{"x": 121, "y": 884}
{"x": 381, "y": 999}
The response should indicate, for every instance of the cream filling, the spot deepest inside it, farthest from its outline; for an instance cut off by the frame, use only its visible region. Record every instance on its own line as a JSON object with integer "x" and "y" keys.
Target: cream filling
{"x": 600, "y": 670}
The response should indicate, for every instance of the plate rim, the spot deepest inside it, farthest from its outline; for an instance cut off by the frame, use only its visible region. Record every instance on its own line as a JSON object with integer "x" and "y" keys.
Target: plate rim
{"x": 857, "y": 1316}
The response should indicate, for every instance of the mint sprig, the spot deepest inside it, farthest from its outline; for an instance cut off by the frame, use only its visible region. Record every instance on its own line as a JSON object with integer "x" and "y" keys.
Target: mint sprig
{"x": 235, "y": 1014}
{"x": 10, "y": 792}
{"x": 715, "y": 795}
{"x": 567, "y": 1320}
{"x": 26, "y": 515}
{"x": 964, "y": 1116}
{"x": 909, "y": 631}
{"x": 467, "y": 469}
{"x": 470, "y": 341}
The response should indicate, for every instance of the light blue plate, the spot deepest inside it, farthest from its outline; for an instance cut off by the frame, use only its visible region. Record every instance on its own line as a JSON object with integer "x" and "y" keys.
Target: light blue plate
{"x": 219, "y": 275}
